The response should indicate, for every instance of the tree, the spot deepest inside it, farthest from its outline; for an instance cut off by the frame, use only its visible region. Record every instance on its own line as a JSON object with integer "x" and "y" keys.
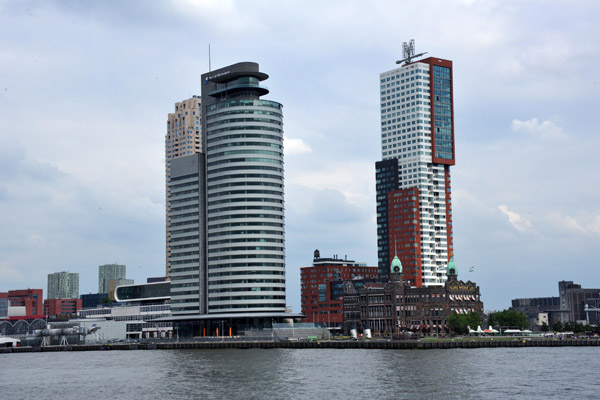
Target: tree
{"x": 557, "y": 326}
{"x": 459, "y": 322}
{"x": 545, "y": 327}
{"x": 508, "y": 318}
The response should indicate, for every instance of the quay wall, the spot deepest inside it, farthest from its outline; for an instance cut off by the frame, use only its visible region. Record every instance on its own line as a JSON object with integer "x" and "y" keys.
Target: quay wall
{"x": 321, "y": 344}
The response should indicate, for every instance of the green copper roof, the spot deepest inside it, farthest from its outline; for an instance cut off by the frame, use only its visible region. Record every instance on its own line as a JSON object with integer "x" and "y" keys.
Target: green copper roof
{"x": 451, "y": 269}
{"x": 396, "y": 263}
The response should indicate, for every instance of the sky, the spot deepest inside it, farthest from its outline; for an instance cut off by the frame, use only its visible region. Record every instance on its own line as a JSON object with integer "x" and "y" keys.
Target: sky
{"x": 86, "y": 86}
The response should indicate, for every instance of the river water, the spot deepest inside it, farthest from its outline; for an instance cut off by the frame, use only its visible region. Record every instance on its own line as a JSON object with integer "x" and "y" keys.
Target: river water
{"x": 528, "y": 373}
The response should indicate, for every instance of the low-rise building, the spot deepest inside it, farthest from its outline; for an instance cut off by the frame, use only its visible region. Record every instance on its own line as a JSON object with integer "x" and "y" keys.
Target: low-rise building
{"x": 92, "y": 300}
{"x": 30, "y": 300}
{"x": 61, "y": 307}
{"x": 134, "y": 314}
{"x": 396, "y": 307}
{"x": 569, "y": 306}
{"x": 321, "y": 287}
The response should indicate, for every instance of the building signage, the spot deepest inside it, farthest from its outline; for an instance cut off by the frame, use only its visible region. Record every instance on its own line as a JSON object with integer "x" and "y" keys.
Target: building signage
{"x": 220, "y": 74}
{"x": 460, "y": 287}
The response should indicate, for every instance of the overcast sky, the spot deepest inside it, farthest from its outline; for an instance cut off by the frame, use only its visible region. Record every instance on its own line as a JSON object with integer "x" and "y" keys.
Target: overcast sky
{"x": 86, "y": 86}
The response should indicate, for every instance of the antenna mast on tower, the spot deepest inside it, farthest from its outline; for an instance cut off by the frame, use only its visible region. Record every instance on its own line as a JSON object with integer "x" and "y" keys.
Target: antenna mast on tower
{"x": 408, "y": 52}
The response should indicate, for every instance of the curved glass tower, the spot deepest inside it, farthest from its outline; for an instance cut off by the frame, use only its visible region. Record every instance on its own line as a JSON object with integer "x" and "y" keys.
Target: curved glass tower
{"x": 243, "y": 136}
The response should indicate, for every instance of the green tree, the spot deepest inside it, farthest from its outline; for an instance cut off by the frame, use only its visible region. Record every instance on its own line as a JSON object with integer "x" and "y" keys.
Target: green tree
{"x": 459, "y": 322}
{"x": 508, "y": 318}
{"x": 557, "y": 326}
{"x": 545, "y": 327}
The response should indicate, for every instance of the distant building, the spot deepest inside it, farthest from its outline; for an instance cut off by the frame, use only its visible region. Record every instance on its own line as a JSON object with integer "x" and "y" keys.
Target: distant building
{"x": 321, "y": 287}
{"x": 156, "y": 279}
{"x": 573, "y": 299}
{"x": 134, "y": 317}
{"x": 93, "y": 300}
{"x": 569, "y": 306}
{"x": 63, "y": 285}
{"x": 30, "y": 299}
{"x": 61, "y": 307}
{"x": 396, "y": 307}
{"x": 113, "y": 284}
{"x": 3, "y": 307}
{"x": 109, "y": 272}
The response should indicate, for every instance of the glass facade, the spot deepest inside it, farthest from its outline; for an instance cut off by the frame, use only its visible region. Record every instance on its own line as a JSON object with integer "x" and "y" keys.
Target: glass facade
{"x": 442, "y": 103}
{"x": 144, "y": 291}
{"x": 245, "y": 210}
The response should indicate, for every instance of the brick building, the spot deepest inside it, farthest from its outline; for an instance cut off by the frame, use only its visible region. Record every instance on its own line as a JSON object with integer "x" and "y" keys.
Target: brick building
{"x": 396, "y": 307}
{"x": 31, "y": 299}
{"x": 321, "y": 287}
{"x": 61, "y": 307}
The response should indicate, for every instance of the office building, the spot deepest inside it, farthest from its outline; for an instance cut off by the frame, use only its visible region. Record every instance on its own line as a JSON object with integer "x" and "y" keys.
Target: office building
{"x": 93, "y": 300}
{"x": 30, "y": 299}
{"x": 107, "y": 272}
{"x": 183, "y": 138}
{"x": 66, "y": 307}
{"x": 321, "y": 287}
{"x": 113, "y": 284}
{"x": 245, "y": 214}
{"x": 186, "y": 265}
{"x": 63, "y": 285}
{"x": 417, "y": 133}
{"x": 225, "y": 212}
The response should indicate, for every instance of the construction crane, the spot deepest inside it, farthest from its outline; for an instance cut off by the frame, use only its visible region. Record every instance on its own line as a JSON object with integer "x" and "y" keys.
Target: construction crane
{"x": 408, "y": 52}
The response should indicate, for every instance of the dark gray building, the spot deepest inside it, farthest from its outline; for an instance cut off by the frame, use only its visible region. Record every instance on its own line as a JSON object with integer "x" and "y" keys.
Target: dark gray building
{"x": 569, "y": 306}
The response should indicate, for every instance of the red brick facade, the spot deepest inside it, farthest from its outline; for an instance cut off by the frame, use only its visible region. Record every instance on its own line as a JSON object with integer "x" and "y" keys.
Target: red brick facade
{"x": 404, "y": 225}
{"x": 61, "y": 307}
{"x": 31, "y": 299}
{"x": 321, "y": 288}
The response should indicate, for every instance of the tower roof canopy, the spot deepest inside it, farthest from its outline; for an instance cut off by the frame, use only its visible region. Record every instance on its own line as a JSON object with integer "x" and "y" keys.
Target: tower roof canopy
{"x": 396, "y": 266}
{"x": 451, "y": 269}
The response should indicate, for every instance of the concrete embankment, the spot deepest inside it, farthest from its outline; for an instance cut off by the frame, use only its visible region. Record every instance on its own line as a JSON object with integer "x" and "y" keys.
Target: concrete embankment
{"x": 323, "y": 344}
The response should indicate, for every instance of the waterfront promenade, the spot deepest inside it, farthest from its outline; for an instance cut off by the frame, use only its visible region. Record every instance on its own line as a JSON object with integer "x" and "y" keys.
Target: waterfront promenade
{"x": 316, "y": 344}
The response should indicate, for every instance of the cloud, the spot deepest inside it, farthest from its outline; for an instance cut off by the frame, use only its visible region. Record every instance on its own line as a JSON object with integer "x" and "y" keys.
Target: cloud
{"x": 543, "y": 130}
{"x": 295, "y": 146}
{"x": 517, "y": 221}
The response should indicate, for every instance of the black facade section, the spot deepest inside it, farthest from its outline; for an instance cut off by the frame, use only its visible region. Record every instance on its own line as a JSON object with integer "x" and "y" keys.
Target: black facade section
{"x": 386, "y": 179}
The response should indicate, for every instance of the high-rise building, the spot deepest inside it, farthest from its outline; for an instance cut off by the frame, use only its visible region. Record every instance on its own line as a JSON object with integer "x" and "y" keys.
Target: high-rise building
{"x": 245, "y": 210}
{"x": 183, "y": 139}
{"x": 63, "y": 285}
{"x": 417, "y": 132}
{"x": 225, "y": 211}
{"x": 107, "y": 272}
{"x": 186, "y": 264}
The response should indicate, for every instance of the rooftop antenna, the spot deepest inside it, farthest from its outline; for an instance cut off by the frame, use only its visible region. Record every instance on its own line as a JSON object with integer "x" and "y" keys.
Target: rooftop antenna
{"x": 408, "y": 52}
{"x": 209, "y": 58}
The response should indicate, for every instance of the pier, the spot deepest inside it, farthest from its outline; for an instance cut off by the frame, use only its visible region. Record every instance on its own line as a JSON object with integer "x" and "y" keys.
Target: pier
{"x": 316, "y": 344}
